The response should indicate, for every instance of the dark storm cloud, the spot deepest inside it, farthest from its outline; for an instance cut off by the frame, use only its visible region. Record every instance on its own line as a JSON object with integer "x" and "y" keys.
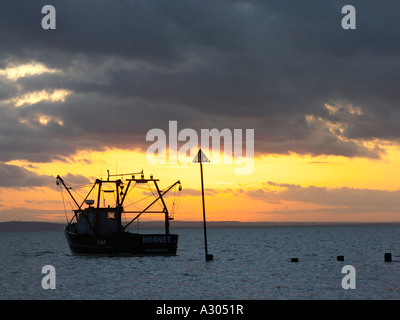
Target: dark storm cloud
{"x": 332, "y": 200}
{"x": 14, "y": 176}
{"x": 266, "y": 65}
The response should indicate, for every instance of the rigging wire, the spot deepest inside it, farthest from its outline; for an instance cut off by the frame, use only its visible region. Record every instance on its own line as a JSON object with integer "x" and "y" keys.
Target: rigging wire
{"x": 63, "y": 201}
{"x": 177, "y": 200}
{"x": 159, "y": 204}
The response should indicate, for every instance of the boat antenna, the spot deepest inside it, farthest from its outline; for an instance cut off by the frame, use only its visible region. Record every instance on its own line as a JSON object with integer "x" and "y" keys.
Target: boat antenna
{"x": 200, "y": 158}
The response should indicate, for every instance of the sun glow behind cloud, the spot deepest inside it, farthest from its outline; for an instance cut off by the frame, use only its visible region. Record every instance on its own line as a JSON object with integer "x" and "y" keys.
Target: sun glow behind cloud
{"x": 14, "y": 71}
{"x": 276, "y": 191}
{"x": 43, "y": 95}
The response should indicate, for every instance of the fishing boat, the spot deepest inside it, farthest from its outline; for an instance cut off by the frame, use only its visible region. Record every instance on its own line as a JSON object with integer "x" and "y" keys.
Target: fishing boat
{"x": 96, "y": 227}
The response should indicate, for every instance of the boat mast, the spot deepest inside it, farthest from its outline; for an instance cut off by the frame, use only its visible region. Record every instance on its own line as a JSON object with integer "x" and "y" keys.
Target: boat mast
{"x": 99, "y": 182}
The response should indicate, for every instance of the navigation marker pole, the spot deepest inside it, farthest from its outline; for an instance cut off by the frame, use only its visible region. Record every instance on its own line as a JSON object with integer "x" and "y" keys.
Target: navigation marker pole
{"x": 200, "y": 158}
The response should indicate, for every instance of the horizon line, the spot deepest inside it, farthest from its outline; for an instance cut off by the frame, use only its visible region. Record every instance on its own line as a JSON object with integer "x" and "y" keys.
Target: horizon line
{"x": 18, "y": 225}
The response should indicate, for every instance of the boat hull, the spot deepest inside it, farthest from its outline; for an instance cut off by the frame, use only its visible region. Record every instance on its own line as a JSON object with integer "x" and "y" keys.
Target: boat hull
{"x": 125, "y": 243}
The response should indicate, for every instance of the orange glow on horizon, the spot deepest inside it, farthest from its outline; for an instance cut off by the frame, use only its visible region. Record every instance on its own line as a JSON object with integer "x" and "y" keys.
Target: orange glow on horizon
{"x": 228, "y": 196}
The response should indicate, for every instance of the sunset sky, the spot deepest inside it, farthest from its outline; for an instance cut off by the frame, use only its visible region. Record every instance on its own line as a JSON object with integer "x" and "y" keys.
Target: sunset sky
{"x": 324, "y": 104}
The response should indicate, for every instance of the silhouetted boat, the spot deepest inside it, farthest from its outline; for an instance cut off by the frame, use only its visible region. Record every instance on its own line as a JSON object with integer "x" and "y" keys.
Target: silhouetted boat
{"x": 98, "y": 229}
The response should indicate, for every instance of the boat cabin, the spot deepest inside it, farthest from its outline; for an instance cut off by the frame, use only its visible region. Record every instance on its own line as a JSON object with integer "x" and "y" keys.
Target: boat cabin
{"x": 97, "y": 222}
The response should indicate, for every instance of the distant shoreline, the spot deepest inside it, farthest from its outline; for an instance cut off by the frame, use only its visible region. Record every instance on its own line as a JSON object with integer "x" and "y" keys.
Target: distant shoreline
{"x": 53, "y": 226}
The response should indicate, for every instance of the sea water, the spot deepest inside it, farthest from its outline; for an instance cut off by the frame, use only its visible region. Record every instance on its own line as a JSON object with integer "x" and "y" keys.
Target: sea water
{"x": 249, "y": 264}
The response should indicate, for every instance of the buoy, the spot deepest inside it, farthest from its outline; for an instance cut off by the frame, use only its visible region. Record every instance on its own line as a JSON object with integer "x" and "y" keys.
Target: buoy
{"x": 340, "y": 258}
{"x": 388, "y": 257}
{"x": 294, "y": 260}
